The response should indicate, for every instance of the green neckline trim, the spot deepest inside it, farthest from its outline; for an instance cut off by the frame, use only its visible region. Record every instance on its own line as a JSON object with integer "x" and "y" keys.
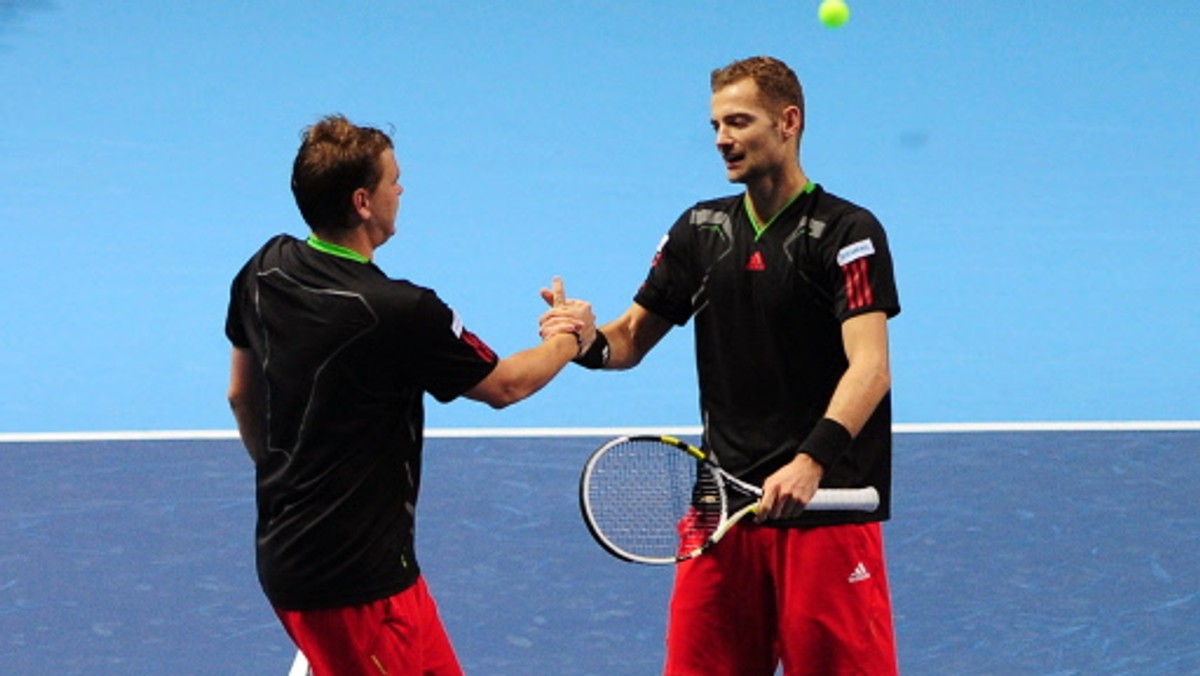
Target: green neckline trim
{"x": 759, "y": 227}
{"x": 336, "y": 249}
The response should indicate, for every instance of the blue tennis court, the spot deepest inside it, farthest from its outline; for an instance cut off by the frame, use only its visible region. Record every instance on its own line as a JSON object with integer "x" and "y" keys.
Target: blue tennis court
{"x": 1061, "y": 552}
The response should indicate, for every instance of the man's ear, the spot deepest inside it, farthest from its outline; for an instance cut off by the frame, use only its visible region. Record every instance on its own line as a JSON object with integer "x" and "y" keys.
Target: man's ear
{"x": 791, "y": 123}
{"x": 360, "y": 201}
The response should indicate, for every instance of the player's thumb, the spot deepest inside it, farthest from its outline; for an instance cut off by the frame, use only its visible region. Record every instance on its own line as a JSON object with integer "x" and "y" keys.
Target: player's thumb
{"x": 558, "y": 293}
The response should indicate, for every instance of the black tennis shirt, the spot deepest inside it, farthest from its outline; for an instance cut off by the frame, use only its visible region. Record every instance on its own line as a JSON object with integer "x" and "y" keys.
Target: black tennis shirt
{"x": 767, "y": 310}
{"x": 347, "y": 355}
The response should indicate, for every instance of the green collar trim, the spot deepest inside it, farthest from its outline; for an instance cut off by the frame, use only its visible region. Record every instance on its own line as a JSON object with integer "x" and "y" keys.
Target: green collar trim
{"x": 336, "y": 249}
{"x": 760, "y": 227}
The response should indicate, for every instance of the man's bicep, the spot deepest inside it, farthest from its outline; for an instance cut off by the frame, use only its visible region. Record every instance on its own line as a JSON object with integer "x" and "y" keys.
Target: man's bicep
{"x": 865, "y": 338}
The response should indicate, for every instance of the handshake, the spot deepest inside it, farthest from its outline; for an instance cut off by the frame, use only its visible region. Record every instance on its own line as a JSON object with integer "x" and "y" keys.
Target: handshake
{"x": 567, "y": 316}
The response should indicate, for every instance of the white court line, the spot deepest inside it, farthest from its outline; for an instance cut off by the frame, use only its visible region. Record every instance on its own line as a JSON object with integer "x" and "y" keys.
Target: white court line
{"x": 1062, "y": 426}
{"x": 510, "y": 432}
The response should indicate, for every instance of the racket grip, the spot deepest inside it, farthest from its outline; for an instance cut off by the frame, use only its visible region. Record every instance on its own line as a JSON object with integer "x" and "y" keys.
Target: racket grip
{"x": 845, "y": 499}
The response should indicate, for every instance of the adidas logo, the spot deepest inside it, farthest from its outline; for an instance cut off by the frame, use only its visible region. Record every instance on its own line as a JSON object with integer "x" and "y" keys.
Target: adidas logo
{"x": 756, "y": 262}
{"x": 860, "y": 574}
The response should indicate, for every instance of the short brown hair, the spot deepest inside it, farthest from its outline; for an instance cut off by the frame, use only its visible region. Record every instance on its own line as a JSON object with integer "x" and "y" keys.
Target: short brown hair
{"x": 777, "y": 83}
{"x": 335, "y": 158}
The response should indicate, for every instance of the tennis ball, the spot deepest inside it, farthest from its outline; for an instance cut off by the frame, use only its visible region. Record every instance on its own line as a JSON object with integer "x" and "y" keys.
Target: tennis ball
{"x": 833, "y": 13}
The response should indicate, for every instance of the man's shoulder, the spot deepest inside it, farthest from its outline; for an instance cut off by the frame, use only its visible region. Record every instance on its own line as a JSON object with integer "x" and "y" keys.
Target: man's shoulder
{"x": 274, "y": 245}
{"x": 831, "y": 208}
{"x": 399, "y": 295}
{"x": 716, "y": 214}
{"x": 727, "y": 204}
{"x": 265, "y": 257}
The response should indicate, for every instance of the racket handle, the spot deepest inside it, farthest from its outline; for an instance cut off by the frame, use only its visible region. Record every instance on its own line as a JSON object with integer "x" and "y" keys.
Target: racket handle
{"x": 845, "y": 499}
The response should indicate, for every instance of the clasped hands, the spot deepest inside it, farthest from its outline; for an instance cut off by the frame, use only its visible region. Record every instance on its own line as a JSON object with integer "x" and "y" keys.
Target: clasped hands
{"x": 567, "y": 315}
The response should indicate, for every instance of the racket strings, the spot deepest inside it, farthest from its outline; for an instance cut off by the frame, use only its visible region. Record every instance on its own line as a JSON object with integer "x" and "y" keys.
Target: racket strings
{"x": 705, "y": 515}
{"x": 645, "y": 499}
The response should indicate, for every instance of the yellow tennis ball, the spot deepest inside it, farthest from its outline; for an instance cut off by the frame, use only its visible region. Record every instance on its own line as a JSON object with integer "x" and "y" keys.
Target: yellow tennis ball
{"x": 833, "y": 13}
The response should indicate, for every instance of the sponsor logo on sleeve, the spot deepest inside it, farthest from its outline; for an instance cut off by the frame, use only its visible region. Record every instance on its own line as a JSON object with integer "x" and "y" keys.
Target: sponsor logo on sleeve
{"x": 853, "y": 252}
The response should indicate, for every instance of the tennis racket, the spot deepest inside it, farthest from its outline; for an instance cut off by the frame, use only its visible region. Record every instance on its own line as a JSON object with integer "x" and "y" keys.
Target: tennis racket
{"x": 659, "y": 500}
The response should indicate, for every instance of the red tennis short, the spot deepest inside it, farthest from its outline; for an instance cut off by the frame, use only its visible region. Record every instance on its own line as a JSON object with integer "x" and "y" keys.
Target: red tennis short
{"x": 401, "y": 634}
{"x": 814, "y": 598}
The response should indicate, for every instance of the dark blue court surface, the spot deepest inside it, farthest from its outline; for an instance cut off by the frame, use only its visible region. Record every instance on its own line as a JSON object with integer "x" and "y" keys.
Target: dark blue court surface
{"x": 1010, "y": 553}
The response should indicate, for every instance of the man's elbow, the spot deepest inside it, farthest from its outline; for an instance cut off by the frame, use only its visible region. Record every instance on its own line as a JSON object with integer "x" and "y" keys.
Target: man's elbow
{"x": 510, "y": 393}
{"x": 882, "y": 377}
{"x": 244, "y": 408}
{"x": 498, "y": 392}
{"x": 237, "y": 399}
{"x": 501, "y": 400}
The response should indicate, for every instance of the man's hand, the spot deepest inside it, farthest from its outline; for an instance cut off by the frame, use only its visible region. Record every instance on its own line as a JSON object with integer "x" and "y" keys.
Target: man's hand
{"x": 788, "y": 490}
{"x": 567, "y": 316}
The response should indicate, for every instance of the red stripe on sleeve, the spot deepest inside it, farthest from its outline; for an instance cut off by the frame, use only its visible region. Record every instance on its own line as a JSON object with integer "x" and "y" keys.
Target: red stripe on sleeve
{"x": 858, "y": 284}
{"x": 485, "y": 353}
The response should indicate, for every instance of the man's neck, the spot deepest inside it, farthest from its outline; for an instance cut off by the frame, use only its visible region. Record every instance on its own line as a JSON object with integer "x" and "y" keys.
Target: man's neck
{"x": 770, "y": 194}
{"x": 354, "y": 240}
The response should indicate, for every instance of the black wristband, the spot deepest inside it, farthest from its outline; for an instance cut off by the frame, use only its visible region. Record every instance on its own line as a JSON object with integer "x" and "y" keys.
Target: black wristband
{"x": 827, "y": 441}
{"x": 597, "y": 355}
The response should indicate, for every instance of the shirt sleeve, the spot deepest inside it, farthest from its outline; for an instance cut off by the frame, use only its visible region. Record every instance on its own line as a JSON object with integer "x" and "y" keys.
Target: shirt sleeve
{"x": 859, "y": 265}
{"x": 669, "y": 286}
{"x": 450, "y": 359}
{"x": 235, "y": 329}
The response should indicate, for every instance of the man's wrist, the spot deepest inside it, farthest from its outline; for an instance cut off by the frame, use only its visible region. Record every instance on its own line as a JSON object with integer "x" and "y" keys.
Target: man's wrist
{"x": 826, "y": 442}
{"x": 596, "y": 356}
{"x": 578, "y": 343}
{"x": 576, "y": 340}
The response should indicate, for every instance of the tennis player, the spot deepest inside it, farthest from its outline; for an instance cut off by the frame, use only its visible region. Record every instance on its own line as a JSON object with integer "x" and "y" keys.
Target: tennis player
{"x": 331, "y": 362}
{"x": 789, "y": 288}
